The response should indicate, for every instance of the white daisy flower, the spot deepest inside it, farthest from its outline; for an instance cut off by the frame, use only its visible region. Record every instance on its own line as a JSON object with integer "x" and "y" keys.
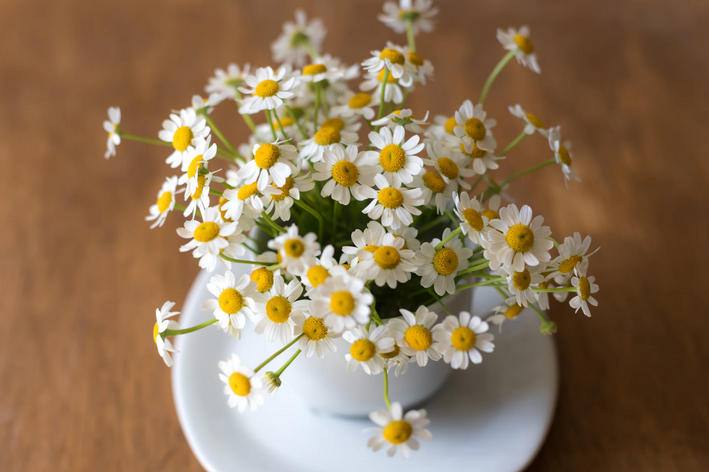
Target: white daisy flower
{"x": 439, "y": 267}
{"x": 482, "y": 160}
{"x": 399, "y": 434}
{"x": 206, "y": 238}
{"x": 473, "y": 128}
{"x": 234, "y": 300}
{"x": 562, "y": 154}
{"x": 393, "y": 60}
{"x": 419, "y": 12}
{"x": 236, "y": 248}
{"x": 532, "y": 122}
{"x": 516, "y": 240}
{"x": 352, "y": 104}
{"x": 435, "y": 190}
{"x": 403, "y": 118}
{"x": 113, "y": 128}
{"x": 367, "y": 240}
{"x": 298, "y": 253}
{"x": 409, "y": 235}
{"x": 263, "y": 277}
{"x": 423, "y": 69}
{"x": 396, "y": 361}
{"x": 394, "y": 205}
{"x": 279, "y": 200}
{"x": 244, "y": 200}
{"x": 298, "y": 40}
{"x": 317, "y": 273}
{"x": 585, "y": 287}
{"x": 365, "y": 348}
{"x": 342, "y": 302}
{"x": 571, "y": 253}
{"x": 346, "y": 172}
{"x": 326, "y": 139}
{"x": 518, "y": 41}
{"x": 206, "y": 105}
{"x": 319, "y": 72}
{"x": 413, "y": 334}
{"x": 493, "y": 207}
{"x": 200, "y": 195}
{"x": 226, "y": 83}
{"x": 272, "y": 163}
{"x": 195, "y": 157}
{"x": 162, "y": 323}
{"x": 461, "y": 338}
{"x": 397, "y": 158}
{"x": 520, "y": 283}
{"x": 505, "y": 312}
{"x": 242, "y": 386}
{"x": 183, "y": 129}
{"x": 390, "y": 264}
{"x": 277, "y": 309}
{"x": 543, "y": 297}
{"x": 443, "y": 129}
{"x": 165, "y": 203}
{"x": 267, "y": 88}
{"x": 392, "y": 88}
{"x": 472, "y": 220}
{"x": 317, "y": 338}
{"x": 451, "y": 166}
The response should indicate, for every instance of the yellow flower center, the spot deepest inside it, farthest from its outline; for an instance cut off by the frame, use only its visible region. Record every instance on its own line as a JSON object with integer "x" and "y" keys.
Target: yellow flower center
{"x": 392, "y": 354}
{"x": 394, "y": 56}
{"x": 390, "y": 197}
{"x": 397, "y": 432}
{"x": 445, "y": 261}
{"x": 475, "y": 129}
{"x": 285, "y": 122}
{"x": 463, "y": 338}
{"x": 342, "y": 303}
{"x": 521, "y": 280}
{"x": 267, "y": 155}
{"x": 491, "y": 215}
{"x": 164, "y": 201}
{"x": 313, "y": 69}
{"x": 239, "y": 384}
{"x": 564, "y": 156}
{"x": 520, "y": 238}
{"x": 345, "y": 173}
{"x": 567, "y": 266}
{"x": 450, "y": 125}
{"x": 474, "y": 219}
{"x": 360, "y": 100}
{"x": 326, "y": 136}
{"x": 156, "y": 332}
{"x": 476, "y": 153}
{"x": 266, "y": 88}
{"x": 392, "y": 157}
{"x": 434, "y": 182}
{"x": 317, "y": 275}
{"x": 231, "y": 301}
{"x": 448, "y": 167}
{"x": 201, "y": 181}
{"x": 294, "y": 247}
{"x": 390, "y": 78}
{"x": 182, "y": 138}
{"x": 415, "y": 59}
{"x": 247, "y": 191}
{"x": 371, "y": 248}
{"x": 263, "y": 278}
{"x": 363, "y": 350}
{"x": 524, "y": 44}
{"x": 222, "y": 201}
{"x": 584, "y": 288}
{"x": 536, "y": 122}
{"x": 206, "y": 231}
{"x": 418, "y": 337}
{"x": 336, "y": 123}
{"x": 194, "y": 165}
{"x": 513, "y": 311}
{"x": 387, "y": 257}
{"x": 314, "y": 329}
{"x": 285, "y": 190}
{"x": 278, "y": 309}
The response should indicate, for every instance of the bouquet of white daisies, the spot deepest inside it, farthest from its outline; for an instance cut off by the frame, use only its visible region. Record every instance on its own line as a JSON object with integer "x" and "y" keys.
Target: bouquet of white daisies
{"x": 357, "y": 214}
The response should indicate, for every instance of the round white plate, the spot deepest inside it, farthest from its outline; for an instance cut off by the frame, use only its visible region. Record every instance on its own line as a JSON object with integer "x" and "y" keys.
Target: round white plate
{"x": 492, "y": 421}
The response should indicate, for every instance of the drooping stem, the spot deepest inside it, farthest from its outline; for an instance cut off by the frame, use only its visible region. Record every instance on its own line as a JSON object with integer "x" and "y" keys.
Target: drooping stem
{"x": 288, "y": 362}
{"x": 278, "y": 353}
{"x": 512, "y": 144}
{"x": 386, "y": 389}
{"x": 498, "y": 68}
{"x": 410, "y": 35}
{"x": 177, "y": 332}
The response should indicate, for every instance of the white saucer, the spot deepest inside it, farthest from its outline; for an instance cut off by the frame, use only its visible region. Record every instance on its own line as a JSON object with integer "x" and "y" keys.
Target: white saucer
{"x": 493, "y": 421}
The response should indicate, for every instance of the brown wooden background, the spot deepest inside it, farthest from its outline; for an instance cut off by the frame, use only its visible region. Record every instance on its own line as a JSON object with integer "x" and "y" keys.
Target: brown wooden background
{"x": 81, "y": 388}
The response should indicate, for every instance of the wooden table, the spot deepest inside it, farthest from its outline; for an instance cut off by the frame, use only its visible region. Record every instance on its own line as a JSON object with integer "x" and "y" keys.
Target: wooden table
{"x": 81, "y": 388}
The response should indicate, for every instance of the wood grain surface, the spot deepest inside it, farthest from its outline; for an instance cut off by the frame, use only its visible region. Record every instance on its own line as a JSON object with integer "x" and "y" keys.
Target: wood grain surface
{"x": 81, "y": 387}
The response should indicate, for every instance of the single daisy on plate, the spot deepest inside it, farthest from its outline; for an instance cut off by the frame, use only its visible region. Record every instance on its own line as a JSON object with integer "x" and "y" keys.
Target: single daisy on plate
{"x": 298, "y": 39}
{"x": 394, "y": 61}
{"x": 234, "y": 299}
{"x": 418, "y": 12}
{"x": 451, "y": 166}
{"x": 562, "y": 154}
{"x": 403, "y": 118}
{"x": 439, "y": 267}
{"x": 365, "y": 348}
{"x": 342, "y": 302}
{"x": 298, "y": 253}
{"x": 196, "y": 157}
{"x": 279, "y": 200}
{"x": 390, "y": 264}
{"x": 113, "y": 128}
{"x": 393, "y": 204}
{"x": 183, "y": 129}
{"x": 515, "y": 239}
{"x": 326, "y": 138}
{"x": 435, "y": 190}
{"x": 267, "y": 89}
{"x": 518, "y": 41}
{"x": 272, "y": 163}
{"x": 532, "y": 122}
{"x": 462, "y": 337}
{"x": 473, "y": 127}
{"x": 473, "y": 222}
{"x": 352, "y": 104}
{"x": 347, "y": 172}
{"x": 413, "y": 334}
{"x": 226, "y": 82}
{"x": 367, "y": 240}
{"x": 397, "y": 158}
{"x": 397, "y": 431}
{"x": 505, "y": 312}
{"x": 165, "y": 203}
{"x": 317, "y": 339}
{"x": 277, "y": 309}
{"x": 392, "y": 89}
{"x": 571, "y": 253}
{"x": 206, "y": 238}
{"x": 585, "y": 287}
{"x": 242, "y": 387}
{"x": 162, "y": 323}
{"x": 244, "y": 200}
{"x": 520, "y": 283}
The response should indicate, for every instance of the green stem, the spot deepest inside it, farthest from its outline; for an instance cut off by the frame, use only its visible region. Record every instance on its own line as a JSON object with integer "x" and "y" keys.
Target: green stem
{"x": 247, "y": 118}
{"x": 310, "y": 50}
{"x": 498, "y": 68}
{"x": 552, "y": 290}
{"x": 512, "y": 144}
{"x": 288, "y": 362}
{"x": 556, "y": 245}
{"x": 493, "y": 280}
{"x": 381, "y": 99}
{"x": 410, "y": 35}
{"x": 318, "y": 216}
{"x": 215, "y": 192}
{"x": 317, "y": 106}
{"x": 386, "y": 389}
{"x": 439, "y": 301}
{"x": 502, "y": 293}
{"x": 272, "y": 223}
{"x": 375, "y": 315}
{"x": 217, "y": 132}
{"x": 453, "y": 234}
{"x": 177, "y": 332}
{"x": 280, "y": 126}
{"x": 518, "y": 175}
{"x": 278, "y": 353}
{"x": 433, "y": 223}
{"x": 474, "y": 268}
{"x": 144, "y": 140}
{"x": 242, "y": 261}
{"x": 258, "y": 243}
{"x": 270, "y": 123}
{"x": 297, "y": 123}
